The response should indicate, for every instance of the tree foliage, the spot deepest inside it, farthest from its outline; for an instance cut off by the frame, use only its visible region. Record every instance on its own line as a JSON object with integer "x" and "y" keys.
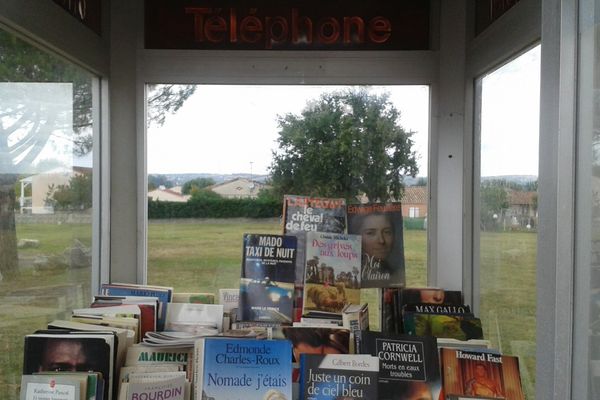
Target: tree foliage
{"x": 76, "y": 195}
{"x": 342, "y": 145}
{"x": 195, "y": 184}
{"x": 494, "y": 201}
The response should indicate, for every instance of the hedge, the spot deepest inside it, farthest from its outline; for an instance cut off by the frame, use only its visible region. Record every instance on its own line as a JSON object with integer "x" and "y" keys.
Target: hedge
{"x": 215, "y": 208}
{"x": 414, "y": 223}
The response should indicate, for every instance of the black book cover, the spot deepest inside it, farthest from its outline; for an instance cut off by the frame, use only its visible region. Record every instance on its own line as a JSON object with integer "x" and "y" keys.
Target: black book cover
{"x": 408, "y": 365}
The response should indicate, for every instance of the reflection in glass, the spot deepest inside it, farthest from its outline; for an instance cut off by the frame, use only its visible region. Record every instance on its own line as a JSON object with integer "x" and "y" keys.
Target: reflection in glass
{"x": 508, "y": 209}
{"x": 45, "y": 196}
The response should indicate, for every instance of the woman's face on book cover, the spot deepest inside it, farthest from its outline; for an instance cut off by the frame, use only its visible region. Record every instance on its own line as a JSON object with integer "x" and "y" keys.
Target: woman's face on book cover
{"x": 377, "y": 236}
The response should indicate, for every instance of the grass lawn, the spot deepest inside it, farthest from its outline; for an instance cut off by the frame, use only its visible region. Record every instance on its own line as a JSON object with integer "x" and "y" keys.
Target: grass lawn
{"x": 195, "y": 256}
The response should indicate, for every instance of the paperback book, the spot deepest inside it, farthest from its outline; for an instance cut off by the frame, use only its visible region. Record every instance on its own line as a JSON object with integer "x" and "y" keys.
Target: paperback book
{"x": 332, "y": 272}
{"x": 267, "y": 278}
{"x": 408, "y": 365}
{"x": 381, "y": 229}
{"x": 302, "y": 214}
{"x": 40, "y": 387}
{"x": 83, "y": 352}
{"x": 480, "y": 374}
{"x": 249, "y": 369}
{"x": 461, "y": 327}
{"x": 164, "y": 295}
{"x": 338, "y": 376}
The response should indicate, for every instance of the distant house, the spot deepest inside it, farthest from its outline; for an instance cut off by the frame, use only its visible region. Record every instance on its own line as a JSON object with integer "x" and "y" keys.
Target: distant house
{"x": 42, "y": 185}
{"x": 239, "y": 188}
{"x": 522, "y": 208}
{"x": 414, "y": 202}
{"x": 171, "y": 194}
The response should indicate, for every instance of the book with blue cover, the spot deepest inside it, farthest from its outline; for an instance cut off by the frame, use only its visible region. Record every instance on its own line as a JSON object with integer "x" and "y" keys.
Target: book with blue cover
{"x": 267, "y": 279}
{"x": 249, "y": 369}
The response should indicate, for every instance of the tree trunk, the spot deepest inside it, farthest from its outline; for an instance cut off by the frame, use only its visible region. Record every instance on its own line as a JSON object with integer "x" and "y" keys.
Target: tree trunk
{"x": 8, "y": 229}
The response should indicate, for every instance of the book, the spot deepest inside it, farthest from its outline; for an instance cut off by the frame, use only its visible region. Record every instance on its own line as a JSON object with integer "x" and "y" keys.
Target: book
{"x": 83, "y": 352}
{"x": 461, "y": 327}
{"x": 122, "y": 337}
{"x": 40, "y": 387}
{"x": 441, "y": 309}
{"x": 338, "y": 376}
{"x": 197, "y": 298}
{"x": 248, "y": 369}
{"x": 155, "y": 386}
{"x": 313, "y": 340}
{"x": 429, "y": 295}
{"x": 332, "y": 272}
{"x": 122, "y": 316}
{"x": 381, "y": 229}
{"x": 199, "y": 319}
{"x": 267, "y": 278}
{"x": 303, "y": 214}
{"x": 148, "y": 308}
{"x": 163, "y": 293}
{"x": 90, "y": 383}
{"x": 373, "y": 298}
{"x": 480, "y": 374}
{"x": 408, "y": 365}
{"x": 229, "y": 298}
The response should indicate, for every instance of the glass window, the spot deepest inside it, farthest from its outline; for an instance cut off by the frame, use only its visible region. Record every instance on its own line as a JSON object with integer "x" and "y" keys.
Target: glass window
{"x": 219, "y": 143}
{"x": 46, "y": 140}
{"x": 510, "y": 98}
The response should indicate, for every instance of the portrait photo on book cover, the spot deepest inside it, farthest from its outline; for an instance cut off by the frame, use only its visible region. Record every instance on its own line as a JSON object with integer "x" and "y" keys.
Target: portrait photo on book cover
{"x": 47, "y": 353}
{"x": 381, "y": 229}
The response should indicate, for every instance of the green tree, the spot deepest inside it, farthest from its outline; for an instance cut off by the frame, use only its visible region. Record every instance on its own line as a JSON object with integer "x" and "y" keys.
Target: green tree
{"x": 37, "y": 120}
{"x": 342, "y": 145}
{"x": 76, "y": 195}
{"x": 494, "y": 201}
{"x": 195, "y": 184}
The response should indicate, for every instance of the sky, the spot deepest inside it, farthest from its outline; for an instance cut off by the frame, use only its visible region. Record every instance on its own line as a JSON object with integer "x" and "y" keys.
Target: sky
{"x": 225, "y": 129}
{"x": 510, "y": 113}
{"x": 231, "y": 128}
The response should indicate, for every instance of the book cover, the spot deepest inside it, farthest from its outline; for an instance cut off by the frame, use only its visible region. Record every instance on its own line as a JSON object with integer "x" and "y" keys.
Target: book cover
{"x": 90, "y": 382}
{"x": 408, "y": 365}
{"x": 164, "y": 294}
{"x": 206, "y": 319}
{"x": 172, "y": 388}
{"x": 249, "y": 369}
{"x": 332, "y": 272}
{"x": 195, "y": 298}
{"x": 267, "y": 278}
{"x": 429, "y": 295}
{"x": 380, "y": 227}
{"x": 83, "y": 352}
{"x": 480, "y": 374}
{"x": 461, "y": 327}
{"x": 338, "y": 376}
{"x": 148, "y": 308}
{"x": 441, "y": 309}
{"x": 313, "y": 340}
{"x": 229, "y": 298}
{"x": 373, "y": 298}
{"x": 303, "y": 214}
{"x": 40, "y": 387}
